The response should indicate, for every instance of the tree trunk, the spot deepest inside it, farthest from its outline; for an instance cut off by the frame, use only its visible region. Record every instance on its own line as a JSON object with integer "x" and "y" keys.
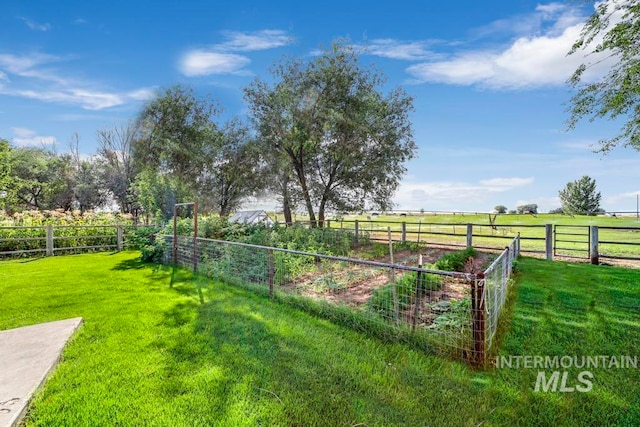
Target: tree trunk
{"x": 286, "y": 205}
{"x": 321, "y": 213}
{"x": 305, "y": 194}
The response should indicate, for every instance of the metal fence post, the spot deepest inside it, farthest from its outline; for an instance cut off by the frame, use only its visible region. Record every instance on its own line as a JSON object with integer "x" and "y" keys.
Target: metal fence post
{"x": 272, "y": 272}
{"x": 49, "y": 240}
{"x": 119, "y": 238}
{"x": 469, "y": 235}
{"x": 404, "y": 231}
{"x": 593, "y": 246}
{"x": 195, "y": 237}
{"x": 478, "y": 319}
{"x": 175, "y": 235}
{"x": 548, "y": 240}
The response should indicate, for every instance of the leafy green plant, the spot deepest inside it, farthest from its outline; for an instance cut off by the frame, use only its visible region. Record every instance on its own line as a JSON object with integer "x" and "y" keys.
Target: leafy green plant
{"x": 455, "y": 261}
{"x": 406, "y": 286}
{"x": 153, "y": 251}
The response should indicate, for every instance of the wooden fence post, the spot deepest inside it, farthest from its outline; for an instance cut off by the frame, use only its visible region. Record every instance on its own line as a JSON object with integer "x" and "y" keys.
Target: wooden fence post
{"x": 548, "y": 240}
{"x": 478, "y": 319}
{"x": 49, "y": 240}
{"x": 119, "y": 238}
{"x": 469, "y": 235}
{"x": 593, "y": 246}
{"x": 404, "y": 231}
{"x": 356, "y": 232}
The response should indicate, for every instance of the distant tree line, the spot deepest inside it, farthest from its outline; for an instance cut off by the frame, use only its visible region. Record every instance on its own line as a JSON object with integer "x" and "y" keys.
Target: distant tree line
{"x": 322, "y": 136}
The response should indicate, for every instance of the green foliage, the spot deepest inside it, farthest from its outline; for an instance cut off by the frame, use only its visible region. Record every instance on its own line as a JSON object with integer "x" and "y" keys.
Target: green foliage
{"x": 455, "y": 261}
{"x": 40, "y": 179}
{"x": 501, "y": 209}
{"x": 178, "y": 134}
{"x": 341, "y": 139}
{"x": 611, "y": 34}
{"x": 457, "y": 317}
{"x": 140, "y": 237}
{"x": 154, "y": 252}
{"x": 71, "y": 229}
{"x": 406, "y": 287}
{"x": 580, "y": 197}
{"x": 224, "y": 184}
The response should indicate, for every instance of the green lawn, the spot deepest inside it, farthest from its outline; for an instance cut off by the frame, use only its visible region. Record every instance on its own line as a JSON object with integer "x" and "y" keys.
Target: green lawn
{"x": 151, "y": 354}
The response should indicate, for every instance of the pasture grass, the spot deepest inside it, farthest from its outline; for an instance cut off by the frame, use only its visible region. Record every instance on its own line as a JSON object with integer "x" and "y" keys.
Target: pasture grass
{"x": 151, "y": 353}
{"x": 573, "y": 237}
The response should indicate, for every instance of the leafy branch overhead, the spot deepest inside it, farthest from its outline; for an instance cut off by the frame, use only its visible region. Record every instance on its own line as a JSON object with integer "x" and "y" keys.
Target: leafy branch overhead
{"x": 610, "y": 35}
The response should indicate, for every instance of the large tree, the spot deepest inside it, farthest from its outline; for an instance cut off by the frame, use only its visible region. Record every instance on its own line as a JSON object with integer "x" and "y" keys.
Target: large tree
{"x": 611, "y": 34}
{"x": 115, "y": 153}
{"x": 41, "y": 179}
{"x": 232, "y": 172}
{"x": 580, "y": 197}
{"x": 343, "y": 139}
{"x": 177, "y": 133}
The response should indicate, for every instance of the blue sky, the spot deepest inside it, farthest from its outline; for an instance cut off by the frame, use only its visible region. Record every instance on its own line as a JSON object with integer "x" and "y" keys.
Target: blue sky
{"x": 488, "y": 81}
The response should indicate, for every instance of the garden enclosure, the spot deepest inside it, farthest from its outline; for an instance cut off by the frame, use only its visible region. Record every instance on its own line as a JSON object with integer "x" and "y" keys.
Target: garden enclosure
{"x": 450, "y": 313}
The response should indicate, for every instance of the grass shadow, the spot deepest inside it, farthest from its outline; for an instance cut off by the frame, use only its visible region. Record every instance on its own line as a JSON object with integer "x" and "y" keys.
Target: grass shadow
{"x": 131, "y": 264}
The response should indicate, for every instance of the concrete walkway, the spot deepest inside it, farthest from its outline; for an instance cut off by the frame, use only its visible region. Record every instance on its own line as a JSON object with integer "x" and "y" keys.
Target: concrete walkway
{"x": 27, "y": 356}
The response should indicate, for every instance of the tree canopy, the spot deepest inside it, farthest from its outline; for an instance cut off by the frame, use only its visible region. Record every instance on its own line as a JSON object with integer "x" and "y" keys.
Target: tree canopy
{"x": 343, "y": 139}
{"x": 177, "y": 133}
{"x": 613, "y": 31}
{"x": 580, "y": 197}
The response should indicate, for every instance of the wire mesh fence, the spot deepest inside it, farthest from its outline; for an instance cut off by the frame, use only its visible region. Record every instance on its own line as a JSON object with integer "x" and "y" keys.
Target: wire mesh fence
{"x": 442, "y": 311}
{"x": 495, "y": 284}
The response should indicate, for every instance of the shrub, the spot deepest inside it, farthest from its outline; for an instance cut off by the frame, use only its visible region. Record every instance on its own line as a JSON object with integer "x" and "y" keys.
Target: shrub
{"x": 455, "y": 261}
{"x": 140, "y": 237}
{"x": 154, "y": 251}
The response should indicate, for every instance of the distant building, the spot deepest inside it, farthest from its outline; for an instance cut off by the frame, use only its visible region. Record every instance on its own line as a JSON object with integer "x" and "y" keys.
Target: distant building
{"x": 251, "y": 218}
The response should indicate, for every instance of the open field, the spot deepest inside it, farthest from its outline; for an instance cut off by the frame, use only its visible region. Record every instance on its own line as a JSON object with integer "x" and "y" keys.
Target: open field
{"x": 571, "y": 234}
{"x": 150, "y": 354}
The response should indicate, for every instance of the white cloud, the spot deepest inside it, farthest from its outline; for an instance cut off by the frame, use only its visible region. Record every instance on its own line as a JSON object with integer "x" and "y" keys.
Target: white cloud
{"x": 26, "y": 137}
{"x": 219, "y": 59}
{"x": 35, "y": 25}
{"x": 529, "y": 61}
{"x": 398, "y": 49}
{"x": 80, "y": 21}
{"x": 34, "y": 69}
{"x": 505, "y": 184}
{"x": 617, "y": 198}
{"x": 258, "y": 40}
{"x": 451, "y": 193}
{"x": 202, "y": 63}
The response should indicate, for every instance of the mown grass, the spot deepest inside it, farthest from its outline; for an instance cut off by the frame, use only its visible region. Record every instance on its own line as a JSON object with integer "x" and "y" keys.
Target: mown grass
{"x": 149, "y": 353}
